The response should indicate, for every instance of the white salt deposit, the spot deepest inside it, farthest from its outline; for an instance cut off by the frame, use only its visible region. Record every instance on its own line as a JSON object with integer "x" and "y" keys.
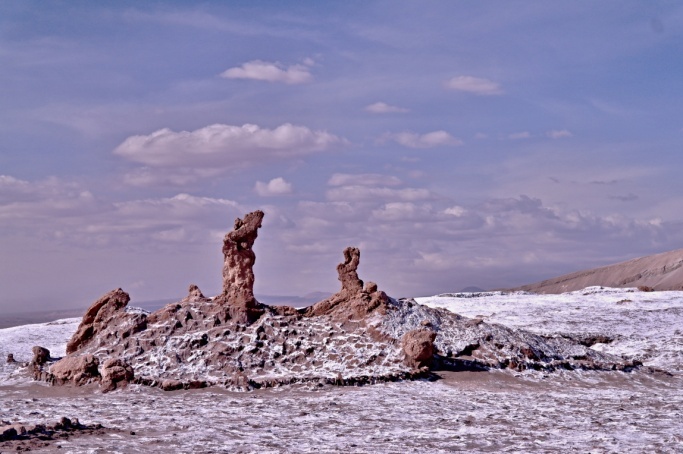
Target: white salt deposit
{"x": 495, "y": 411}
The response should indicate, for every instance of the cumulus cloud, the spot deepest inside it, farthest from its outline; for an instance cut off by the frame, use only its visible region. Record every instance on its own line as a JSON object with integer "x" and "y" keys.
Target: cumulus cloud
{"x": 276, "y": 186}
{"x": 185, "y": 156}
{"x": 558, "y": 134}
{"x": 428, "y": 140}
{"x": 474, "y": 85}
{"x": 271, "y": 72}
{"x": 381, "y": 108}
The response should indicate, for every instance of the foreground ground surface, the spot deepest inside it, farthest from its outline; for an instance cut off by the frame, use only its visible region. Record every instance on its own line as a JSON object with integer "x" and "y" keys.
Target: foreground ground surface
{"x": 494, "y": 411}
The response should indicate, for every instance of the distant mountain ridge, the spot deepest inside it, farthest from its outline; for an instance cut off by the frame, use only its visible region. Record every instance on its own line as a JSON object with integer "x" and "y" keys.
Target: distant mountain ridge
{"x": 660, "y": 272}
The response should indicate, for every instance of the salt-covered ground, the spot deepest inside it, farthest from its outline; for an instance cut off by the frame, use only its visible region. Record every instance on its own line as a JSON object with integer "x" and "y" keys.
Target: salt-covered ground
{"x": 497, "y": 411}
{"x": 647, "y": 326}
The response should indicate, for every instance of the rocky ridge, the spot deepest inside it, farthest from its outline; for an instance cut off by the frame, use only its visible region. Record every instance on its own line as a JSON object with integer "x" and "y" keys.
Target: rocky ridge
{"x": 358, "y": 335}
{"x": 659, "y": 272}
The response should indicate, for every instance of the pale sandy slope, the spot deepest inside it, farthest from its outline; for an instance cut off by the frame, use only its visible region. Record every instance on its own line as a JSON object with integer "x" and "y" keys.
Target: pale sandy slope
{"x": 661, "y": 271}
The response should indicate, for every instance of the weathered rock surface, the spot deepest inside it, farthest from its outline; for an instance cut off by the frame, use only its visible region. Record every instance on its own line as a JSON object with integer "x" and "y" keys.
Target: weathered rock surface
{"x": 238, "y": 269}
{"x": 41, "y": 355}
{"x": 418, "y": 346}
{"x": 353, "y": 301}
{"x": 115, "y": 373}
{"x": 359, "y": 335}
{"x": 96, "y": 318}
{"x": 194, "y": 295}
{"x": 77, "y": 370}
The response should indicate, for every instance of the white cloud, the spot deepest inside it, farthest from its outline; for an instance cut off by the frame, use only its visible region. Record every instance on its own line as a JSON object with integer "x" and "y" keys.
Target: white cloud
{"x": 428, "y": 140}
{"x": 474, "y": 85}
{"x": 24, "y": 201}
{"x": 271, "y": 72}
{"x": 520, "y": 135}
{"x": 360, "y": 193}
{"x": 182, "y": 157}
{"x": 381, "y": 107}
{"x": 363, "y": 179}
{"x": 402, "y": 211}
{"x": 276, "y": 186}
{"x": 559, "y": 134}
{"x": 456, "y": 211}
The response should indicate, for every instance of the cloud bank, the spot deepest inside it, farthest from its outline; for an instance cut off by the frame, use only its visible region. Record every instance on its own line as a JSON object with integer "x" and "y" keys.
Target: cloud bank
{"x": 182, "y": 157}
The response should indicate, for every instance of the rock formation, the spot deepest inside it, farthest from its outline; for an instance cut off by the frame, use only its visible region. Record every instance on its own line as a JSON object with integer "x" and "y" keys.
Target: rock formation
{"x": 353, "y": 301}
{"x": 358, "y": 335}
{"x": 238, "y": 269}
{"x": 77, "y": 370}
{"x": 97, "y": 317}
{"x": 115, "y": 373}
{"x": 194, "y": 295}
{"x": 418, "y": 346}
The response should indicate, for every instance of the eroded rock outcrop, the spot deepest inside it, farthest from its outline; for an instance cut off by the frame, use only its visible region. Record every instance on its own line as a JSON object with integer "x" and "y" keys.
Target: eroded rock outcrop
{"x": 97, "y": 317}
{"x": 359, "y": 335}
{"x": 353, "y": 301}
{"x": 194, "y": 295}
{"x": 238, "y": 269}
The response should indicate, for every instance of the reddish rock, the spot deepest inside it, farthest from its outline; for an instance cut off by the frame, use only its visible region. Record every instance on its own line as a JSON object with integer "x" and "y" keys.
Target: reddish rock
{"x": 171, "y": 385}
{"x": 97, "y": 317}
{"x": 238, "y": 269}
{"x": 77, "y": 370}
{"x": 115, "y": 373}
{"x": 194, "y": 295}
{"x": 418, "y": 346}
{"x": 352, "y": 301}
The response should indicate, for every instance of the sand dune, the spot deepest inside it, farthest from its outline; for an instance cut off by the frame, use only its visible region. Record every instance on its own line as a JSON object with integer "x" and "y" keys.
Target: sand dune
{"x": 661, "y": 272}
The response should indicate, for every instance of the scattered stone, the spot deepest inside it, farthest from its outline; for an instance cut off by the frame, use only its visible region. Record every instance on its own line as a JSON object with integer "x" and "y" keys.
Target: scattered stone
{"x": 115, "y": 373}
{"x": 77, "y": 370}
{"x": 41, "y": 355}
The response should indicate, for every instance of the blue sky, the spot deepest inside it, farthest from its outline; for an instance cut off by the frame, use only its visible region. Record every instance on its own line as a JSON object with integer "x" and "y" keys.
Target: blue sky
{"x": 456, "y": 143}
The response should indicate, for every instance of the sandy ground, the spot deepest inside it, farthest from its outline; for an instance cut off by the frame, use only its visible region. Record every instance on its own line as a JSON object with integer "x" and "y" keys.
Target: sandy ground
{"x": 481, "y": 412}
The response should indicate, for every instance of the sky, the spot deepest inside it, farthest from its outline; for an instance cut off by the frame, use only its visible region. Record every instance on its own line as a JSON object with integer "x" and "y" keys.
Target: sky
{"x": 488, "y": 144}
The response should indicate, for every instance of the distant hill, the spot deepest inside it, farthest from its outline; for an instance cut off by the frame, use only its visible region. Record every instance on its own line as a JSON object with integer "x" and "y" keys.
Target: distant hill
{"x": 661, "y": 272}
